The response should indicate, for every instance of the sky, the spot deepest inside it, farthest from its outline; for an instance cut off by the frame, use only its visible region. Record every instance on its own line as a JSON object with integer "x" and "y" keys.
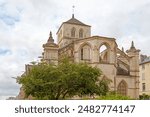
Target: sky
{"x": 25, "y": 27}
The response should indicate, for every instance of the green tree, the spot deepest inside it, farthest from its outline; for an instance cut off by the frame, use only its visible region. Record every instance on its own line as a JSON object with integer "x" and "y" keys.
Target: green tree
{"x": 67, "y": 79}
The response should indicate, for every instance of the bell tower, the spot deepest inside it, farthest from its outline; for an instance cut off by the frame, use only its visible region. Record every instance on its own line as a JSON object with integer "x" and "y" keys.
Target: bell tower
{"x": 71, "y": 30}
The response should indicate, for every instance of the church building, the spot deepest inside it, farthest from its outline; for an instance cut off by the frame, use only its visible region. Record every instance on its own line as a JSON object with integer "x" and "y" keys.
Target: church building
{"x": 74, "y": 39}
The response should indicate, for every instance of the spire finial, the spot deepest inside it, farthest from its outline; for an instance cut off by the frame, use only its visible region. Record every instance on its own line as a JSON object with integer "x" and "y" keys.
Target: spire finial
{"x": 132, "y": 45}
{"x": 50, "y": 35}
{"x": 50, "y": 39}
{"x": 73, "y": 7}
{"x": 122, "y": 49}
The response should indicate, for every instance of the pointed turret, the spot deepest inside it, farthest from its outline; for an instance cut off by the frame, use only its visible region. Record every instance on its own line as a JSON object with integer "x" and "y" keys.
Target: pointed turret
{"x": 132, "y": 48}
{"x": 50, "y": 54}
{"x": 133, "y": 53}
{"x": 50, "y": 39}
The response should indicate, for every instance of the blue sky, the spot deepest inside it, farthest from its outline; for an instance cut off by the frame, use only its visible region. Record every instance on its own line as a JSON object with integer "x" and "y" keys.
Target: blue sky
{"x": 4, "y": 51}
{"x": 7, "y": 15}
{"x": 25, "y": 26}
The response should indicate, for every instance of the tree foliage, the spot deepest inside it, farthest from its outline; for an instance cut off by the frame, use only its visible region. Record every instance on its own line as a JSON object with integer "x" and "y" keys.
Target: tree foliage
{"x": 144, "y": 97}
{"x": 114, "y": 96}
{"x": 67, "y": 79}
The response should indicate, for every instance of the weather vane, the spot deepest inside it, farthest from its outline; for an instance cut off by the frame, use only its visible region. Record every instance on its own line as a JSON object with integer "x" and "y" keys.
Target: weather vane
{"x": 73, "y": 7}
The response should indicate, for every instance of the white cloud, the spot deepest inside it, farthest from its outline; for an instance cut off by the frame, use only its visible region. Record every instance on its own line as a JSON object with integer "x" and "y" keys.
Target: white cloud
{"x": 125, "y": 20}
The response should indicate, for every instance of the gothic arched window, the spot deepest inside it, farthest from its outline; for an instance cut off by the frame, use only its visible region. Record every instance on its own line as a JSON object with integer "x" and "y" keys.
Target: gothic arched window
{"x": 85, "y": 53}
{"x": 104, "y": 53}
{"x": 81, "y": 33}
{"x": 122, "y": 88}
{"x": 73, "y": 32}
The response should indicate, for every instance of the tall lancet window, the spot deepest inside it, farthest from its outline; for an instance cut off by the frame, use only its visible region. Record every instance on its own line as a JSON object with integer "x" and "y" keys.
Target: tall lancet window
{"x": 73, "y": 32}
{"x": 81, "y": 33}
{"x": 122, "y": 88}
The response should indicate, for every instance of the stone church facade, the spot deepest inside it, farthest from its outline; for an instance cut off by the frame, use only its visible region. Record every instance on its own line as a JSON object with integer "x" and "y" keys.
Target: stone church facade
{"x": 74, "y": 40}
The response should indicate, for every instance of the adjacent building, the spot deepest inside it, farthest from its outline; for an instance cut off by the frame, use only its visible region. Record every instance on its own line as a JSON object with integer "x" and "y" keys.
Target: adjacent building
{"x": 145, "y": 75}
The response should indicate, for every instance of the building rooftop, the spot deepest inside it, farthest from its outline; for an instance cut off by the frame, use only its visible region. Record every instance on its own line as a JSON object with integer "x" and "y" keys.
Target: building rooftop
{"x": 73, "y": 20}
{"x": 146, "y": 60}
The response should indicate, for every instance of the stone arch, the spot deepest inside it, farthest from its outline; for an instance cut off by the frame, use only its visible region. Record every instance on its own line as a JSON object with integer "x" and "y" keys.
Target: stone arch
{"x": 81, "y": 33}
{"x": 85, "y": 52}
{"x": 104, "y": 53}
{"x": 73, "y": 32}
{"x": 122, "y": 88}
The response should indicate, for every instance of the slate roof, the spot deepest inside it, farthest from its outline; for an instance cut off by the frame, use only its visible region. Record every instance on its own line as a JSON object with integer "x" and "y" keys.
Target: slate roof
{"x": 73, "y": 20}
{"x": 147, "y": 60}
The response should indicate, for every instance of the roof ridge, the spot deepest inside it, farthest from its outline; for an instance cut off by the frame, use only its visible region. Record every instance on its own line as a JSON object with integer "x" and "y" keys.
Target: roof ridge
{"x": 73, "y": 20}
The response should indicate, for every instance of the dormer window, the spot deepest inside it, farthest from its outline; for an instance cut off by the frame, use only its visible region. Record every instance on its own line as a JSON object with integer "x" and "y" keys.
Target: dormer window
{"x": 81, "y": 33}
{"x": 73, "y": 32}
